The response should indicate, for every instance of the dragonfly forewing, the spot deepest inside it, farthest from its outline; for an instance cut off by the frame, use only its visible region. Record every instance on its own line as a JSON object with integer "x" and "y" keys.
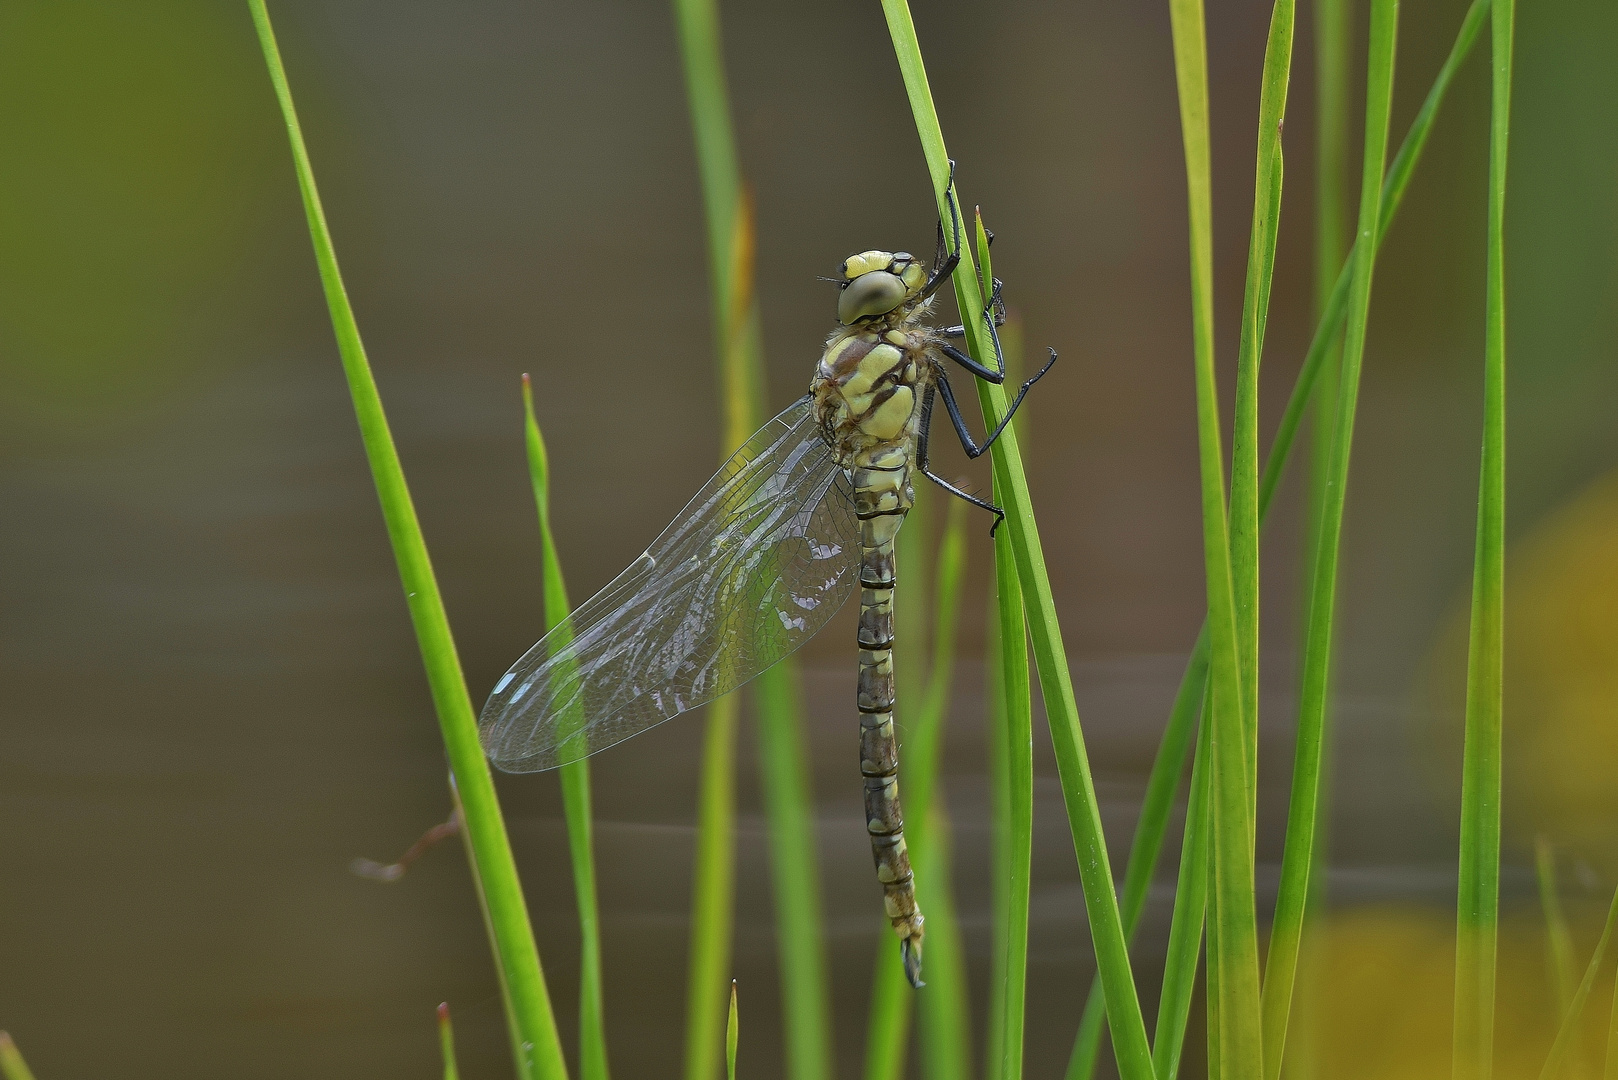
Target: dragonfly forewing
{"x": 752, "y": 568}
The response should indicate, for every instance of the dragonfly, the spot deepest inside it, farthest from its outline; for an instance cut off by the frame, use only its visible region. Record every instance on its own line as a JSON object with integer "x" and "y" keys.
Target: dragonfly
{"x": 801, "y": 517}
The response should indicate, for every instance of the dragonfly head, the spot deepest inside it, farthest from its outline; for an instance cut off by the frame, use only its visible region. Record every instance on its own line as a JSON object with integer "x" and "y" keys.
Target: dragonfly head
{"x": 875, "y": 283}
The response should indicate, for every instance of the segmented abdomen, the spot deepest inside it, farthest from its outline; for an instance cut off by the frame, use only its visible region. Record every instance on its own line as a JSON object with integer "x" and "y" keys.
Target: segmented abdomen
{"x": 881, "y": 498}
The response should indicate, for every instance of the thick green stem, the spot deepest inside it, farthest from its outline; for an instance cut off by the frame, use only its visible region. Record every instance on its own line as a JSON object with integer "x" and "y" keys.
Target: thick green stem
{"x": 1011, "y": 487}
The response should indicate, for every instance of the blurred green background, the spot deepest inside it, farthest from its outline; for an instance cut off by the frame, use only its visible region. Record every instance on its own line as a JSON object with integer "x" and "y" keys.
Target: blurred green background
{"x": 211, "y": 695}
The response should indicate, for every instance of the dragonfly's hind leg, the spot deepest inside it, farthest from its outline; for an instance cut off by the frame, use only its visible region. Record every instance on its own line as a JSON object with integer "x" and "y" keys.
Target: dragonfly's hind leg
{"x": 974, "y": 450}
{"x": 921, "y": 454}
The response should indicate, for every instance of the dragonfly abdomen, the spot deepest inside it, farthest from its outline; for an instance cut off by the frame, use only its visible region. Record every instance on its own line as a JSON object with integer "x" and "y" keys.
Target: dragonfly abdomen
{"x": 882, "y": 496}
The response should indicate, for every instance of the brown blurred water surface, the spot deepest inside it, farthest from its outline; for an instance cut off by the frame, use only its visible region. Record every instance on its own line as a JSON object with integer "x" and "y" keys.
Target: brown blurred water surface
{"x": 212, "y": 699}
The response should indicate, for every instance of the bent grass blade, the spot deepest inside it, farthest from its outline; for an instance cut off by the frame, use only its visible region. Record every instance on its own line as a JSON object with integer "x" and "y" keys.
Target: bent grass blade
{"x": 575, "y": 775}
{"x": 536, "y": 1045}
{"x": 12, "y": 1065}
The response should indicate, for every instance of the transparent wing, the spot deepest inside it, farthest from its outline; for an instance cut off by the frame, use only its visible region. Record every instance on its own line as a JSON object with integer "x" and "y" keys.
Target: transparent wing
{"x": 752, "y": 568}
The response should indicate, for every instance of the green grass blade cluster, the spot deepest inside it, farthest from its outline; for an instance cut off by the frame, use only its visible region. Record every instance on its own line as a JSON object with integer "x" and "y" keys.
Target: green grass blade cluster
{"x": 538, "y": 1047}
{"x": 1011, "y": 487}
{"x": 1478, "y": 902}
{"x": 12, "y": 1065}
{"x": 1232, "y": 916}
{"x": 574, "y": 776}
{"x": 785, "y": 781}
{"x": 1312, "y": 375}
{"x": 446, "y": 1043}
{"x": 1335, "y": 311}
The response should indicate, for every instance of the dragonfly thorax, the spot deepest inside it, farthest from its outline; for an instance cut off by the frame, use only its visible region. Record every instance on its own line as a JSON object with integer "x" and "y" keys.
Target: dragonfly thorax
{"x": 867, "y": 387}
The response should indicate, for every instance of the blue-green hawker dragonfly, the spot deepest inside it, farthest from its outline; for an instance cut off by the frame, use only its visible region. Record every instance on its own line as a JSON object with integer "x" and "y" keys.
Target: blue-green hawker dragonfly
{"x": 799, "y": 518}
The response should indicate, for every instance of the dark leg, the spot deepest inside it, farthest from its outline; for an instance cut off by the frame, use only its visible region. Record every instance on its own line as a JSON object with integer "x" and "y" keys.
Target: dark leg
{"x": 972, "y": 449}
{"x": 921, "y": 453}
{"x": 986, "y": 374}
{"x": 996, "y": 305}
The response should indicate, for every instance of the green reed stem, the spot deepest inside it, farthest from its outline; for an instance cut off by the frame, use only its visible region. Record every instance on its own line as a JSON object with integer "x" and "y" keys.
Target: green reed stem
{"x": 1233, "y": 939}
{"x": 788, "y": 811}
{"x": 1011, "y": 756}
{"x": 1011, "y": 487}
{"x": 712, "y": 893}
{"x": 892, "y": 1002}
{"x": 1312, "y": 375}
{"x": 788, "y": 801}
{"x": 446, "y": 1043}
{"x": 1567, "y": 1035}
{"x": 1297, "y": 858}
{"x": 1185, "y": 928}
{"x": 538, "y": 1048}
{"x": 575, "y": 775}
{"x": 12, "y": 1066}
{"x": 1478, "y": 902}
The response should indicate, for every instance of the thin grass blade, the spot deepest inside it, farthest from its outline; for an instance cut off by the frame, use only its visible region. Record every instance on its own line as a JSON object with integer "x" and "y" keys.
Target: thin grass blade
{"x": 1233, "y": 942}
{"x": 1011, "y": 755}
{"x": 1244, "y": 474}
{"x": 1610, "y": 1071}
{"x": 788, "y": 803}
{"x": 1011, "y": 487}
{"x": 12, "y": 1066}
{"x": 945, "y": 1015}
{"x": 1557, "y": 935}
{"x": 535, "y": 1041}
{"x": 574, "y": 776}
{"x": 1478, "y": 902}
{"x": 1567, "y": 1035}
{"x": 733, "y": 1033}
{"x": 1162, "y": 786}
{"x": 1185, "y": 929}
{"x": 712, "y": 893}
{"x": 1298, "y": 854}
{"x": 446, "y": 1043}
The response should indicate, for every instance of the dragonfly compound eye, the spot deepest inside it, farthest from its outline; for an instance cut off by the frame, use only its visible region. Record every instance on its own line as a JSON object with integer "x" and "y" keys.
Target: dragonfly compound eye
{"x": 874, "y": 293}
